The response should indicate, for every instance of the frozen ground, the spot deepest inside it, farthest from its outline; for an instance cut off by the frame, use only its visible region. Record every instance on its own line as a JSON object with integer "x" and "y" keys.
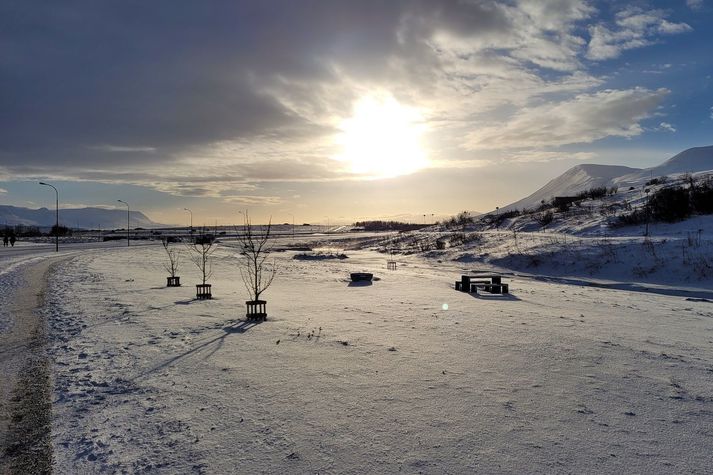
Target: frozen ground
{"x": 554, "y": 378}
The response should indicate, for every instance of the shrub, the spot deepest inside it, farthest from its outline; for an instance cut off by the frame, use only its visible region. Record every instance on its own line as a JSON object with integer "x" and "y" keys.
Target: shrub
{"x": 545, "y": 218}
{"x": 563, "y": 206}
{"x": 498, "y": 219}
{"x": 594, "y": 193}
{"x": 661, "y": 180}
{"x": 634, "y": 218}
{"x": 670, "y": 204}
{"x": 702, "y": 198}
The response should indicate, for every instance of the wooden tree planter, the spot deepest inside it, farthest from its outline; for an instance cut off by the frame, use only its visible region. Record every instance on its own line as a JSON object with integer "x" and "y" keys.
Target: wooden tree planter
{"x": 256, "y": 310}
{"x": 173, "y": 281}
{"x": 391, "y": 265}
{"x": 203, "y": 291}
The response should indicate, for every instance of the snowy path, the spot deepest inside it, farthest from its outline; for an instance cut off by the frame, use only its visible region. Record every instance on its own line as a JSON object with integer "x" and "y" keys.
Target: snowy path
{"x": 374, "y": 379}
{"x": 24, "y": 368}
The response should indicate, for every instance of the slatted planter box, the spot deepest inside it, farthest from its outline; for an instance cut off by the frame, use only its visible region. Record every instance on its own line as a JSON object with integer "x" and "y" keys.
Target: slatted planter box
{"x": 173, "y": 281}
{"x": 257, "y": 310}
{"x": 203, "y": 291}
{"x": 391, "y": 265}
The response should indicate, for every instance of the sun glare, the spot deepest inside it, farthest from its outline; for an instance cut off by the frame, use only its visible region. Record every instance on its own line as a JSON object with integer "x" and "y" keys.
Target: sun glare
{"x": 382, "y": 138}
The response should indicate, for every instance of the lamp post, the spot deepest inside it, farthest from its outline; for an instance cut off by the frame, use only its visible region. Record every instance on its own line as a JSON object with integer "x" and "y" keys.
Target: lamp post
{"x": 191, "y": 212}
{"x": 128, "y": 222}
{"x": 56, "y": 226}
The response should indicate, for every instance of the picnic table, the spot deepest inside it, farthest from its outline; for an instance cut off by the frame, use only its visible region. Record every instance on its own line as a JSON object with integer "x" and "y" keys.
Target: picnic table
{"x": 491, "y": 283}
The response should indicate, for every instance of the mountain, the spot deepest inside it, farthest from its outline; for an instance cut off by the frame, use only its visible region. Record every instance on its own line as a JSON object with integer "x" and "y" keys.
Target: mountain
{"x": 586, "y": 176}
{"x": 692, "y": 160}
{"x": 86, "y": 218}
{"x": 571, "y": 182}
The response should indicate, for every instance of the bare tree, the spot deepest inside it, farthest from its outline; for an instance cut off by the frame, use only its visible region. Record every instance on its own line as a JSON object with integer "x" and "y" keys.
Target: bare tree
{"x": 256, "y": 273}
{"x": 202, "y": 248}
{"x": 173, "y": 255}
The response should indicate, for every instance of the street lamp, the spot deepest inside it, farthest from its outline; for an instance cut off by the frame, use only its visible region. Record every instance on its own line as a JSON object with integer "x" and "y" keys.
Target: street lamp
{"x": 191, "y": 212}
{"x": 56, "y": 226}
{"x": 128, "y": 221}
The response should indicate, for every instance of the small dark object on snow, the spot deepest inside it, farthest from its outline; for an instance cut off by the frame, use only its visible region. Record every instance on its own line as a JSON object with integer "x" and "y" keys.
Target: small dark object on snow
{"x": 361, "y": 276}
{"x": 345, "y": 343}
{"x": 277, "y": 342}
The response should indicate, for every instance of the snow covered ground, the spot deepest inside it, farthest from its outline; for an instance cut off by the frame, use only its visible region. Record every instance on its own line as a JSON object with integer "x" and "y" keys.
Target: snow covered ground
{"x": 403, "y": 375}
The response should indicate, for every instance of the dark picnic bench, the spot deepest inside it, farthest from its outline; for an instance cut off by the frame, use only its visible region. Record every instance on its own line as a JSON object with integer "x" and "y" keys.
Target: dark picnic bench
{"x": 491, "y": 283}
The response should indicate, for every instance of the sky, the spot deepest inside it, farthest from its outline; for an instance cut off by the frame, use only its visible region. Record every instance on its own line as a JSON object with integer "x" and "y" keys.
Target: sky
{"x": 338, "y": 110}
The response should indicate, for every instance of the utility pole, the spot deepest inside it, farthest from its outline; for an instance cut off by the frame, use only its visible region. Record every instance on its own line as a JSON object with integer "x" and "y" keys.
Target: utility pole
{"x": 128, "y": 222}
{"x": 56, "y": 226}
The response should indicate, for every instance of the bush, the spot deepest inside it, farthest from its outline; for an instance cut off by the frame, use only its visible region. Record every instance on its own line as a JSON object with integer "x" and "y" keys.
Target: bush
{"x": 670, "y": 204}
{"x": 594, "y": 193}
{"x": 60, "y": 231}
{"x": 461, "y": 219}
{"x": 545, "y": 218}
{"x": 634, "y": 218}
{"x": 456, "y": 239}
{"x": 388, "y": 226}
{"x": 702, "y": 198}
{"x": 498, "y": 219}
{"x": 662, "y": 180}
{"x": 563, "y": 206}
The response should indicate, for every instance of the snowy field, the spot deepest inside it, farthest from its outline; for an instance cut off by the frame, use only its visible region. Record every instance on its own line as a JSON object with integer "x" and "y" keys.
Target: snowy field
{"x": 405, "y": 375}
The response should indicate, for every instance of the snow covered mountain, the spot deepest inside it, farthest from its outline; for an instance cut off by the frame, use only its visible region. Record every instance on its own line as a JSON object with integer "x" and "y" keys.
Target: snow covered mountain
{"x": 86, "y": 218}
{"x": 574, "y": 180}
{"x": 692, "y": 160}
{"x": 586, "y": 176}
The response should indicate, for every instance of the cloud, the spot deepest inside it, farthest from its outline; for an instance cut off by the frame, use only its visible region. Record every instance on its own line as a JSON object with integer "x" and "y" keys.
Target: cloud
{"x": 711, "y": 112}
{"x": 634, "y": 28}
{"x": 540, "y": 156}
{"x": 254, "y": 200}
{"x": 220, "y": 101}
{"x": 583, "y": 119}
{"x": 665, "y": 126}
{"x": 694, "y": 4}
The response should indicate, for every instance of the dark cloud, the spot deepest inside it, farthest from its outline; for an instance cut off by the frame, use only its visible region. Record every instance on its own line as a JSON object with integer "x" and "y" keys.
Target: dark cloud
{"x": 167, "y": 74}
{"x": 89, "y": 89}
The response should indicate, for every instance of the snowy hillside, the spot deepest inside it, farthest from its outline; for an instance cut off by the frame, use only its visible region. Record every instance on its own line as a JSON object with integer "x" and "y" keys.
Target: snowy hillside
{"x": 693, "y": 160}
{"x": 574, "y": 180}
{"x": 87, "y": 218}
{"x": 587, "y": 176}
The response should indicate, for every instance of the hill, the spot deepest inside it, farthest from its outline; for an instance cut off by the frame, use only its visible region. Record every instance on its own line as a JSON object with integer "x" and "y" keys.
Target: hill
{"x": 78, "y": 218}
{"x": 571, "y": 182}
{"x": 586, "y": 176}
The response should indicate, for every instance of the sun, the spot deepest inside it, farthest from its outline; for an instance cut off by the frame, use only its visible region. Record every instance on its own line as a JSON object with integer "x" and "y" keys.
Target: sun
{"x": 382, "y": 138}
